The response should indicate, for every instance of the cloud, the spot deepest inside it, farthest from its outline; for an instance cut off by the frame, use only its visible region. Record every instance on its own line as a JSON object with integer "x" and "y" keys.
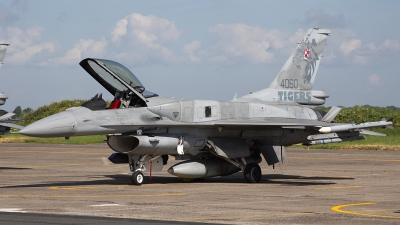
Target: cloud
{"x": 318, "y": 17}
{"x": 119, "y": 30}
{"x": 349, "y": 46}
{"x": 374, "y": 80}
{"x": 145, "y": 29}
{"x": 241, "y": 42}
{"x": 148, "y": 35}
{"x": 298, "y": 36}
{"x": 393, "y": 45}
{"x": 84, "y": 48}
{"x": 25, "y": 46}
{"x": 190, "y": 50}
{"x": 27, "y": 53}
{"x": 150, "y": 38}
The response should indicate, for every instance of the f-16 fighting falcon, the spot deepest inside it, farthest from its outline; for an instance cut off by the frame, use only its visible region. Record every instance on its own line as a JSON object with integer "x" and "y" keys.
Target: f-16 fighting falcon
{"x": 213, "y": 138}
{"x": 6, "y": 121}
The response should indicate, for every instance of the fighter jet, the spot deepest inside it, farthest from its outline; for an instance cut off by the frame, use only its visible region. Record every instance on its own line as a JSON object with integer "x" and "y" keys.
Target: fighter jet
{"x": 6, "y": 121}
{"x": 213, "y": 138}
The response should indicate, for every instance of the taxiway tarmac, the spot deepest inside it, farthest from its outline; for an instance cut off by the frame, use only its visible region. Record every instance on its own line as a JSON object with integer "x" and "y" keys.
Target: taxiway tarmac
{"x": 310, "y": 187}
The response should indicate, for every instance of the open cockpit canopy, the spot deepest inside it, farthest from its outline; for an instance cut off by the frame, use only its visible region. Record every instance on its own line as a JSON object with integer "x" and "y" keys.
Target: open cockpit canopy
{"x": 117, "y": 79}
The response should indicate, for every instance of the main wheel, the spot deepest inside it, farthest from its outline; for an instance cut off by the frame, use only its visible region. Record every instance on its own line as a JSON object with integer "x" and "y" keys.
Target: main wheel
{"x": 252, "y": 173}
{"x": 137, "y": 178}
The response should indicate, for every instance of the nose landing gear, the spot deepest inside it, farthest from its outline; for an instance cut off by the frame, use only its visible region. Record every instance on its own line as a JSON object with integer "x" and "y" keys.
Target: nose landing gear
{"x": 137, "y": 178}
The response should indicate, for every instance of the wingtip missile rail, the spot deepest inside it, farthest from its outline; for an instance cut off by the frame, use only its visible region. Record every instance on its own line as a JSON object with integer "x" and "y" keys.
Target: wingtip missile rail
{"x": 349, "y": 127}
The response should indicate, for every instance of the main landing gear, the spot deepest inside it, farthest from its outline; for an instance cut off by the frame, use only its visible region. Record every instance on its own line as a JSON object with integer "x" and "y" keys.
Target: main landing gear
{"x": 249, "y": 166}
{"x": 252, "y": 173}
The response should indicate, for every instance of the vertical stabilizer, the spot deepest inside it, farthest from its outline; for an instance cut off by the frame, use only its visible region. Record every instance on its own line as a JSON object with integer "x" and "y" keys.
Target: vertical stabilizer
{"x": 294, "y": 82}
{"x": 301, "y": 68}
{"x": 3, "y": 50}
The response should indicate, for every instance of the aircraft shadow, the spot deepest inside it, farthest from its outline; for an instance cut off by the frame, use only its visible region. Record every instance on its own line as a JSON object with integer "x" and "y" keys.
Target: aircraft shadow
{"x": 297, "y": 180}
{"x": 291, "y": 180}
{"x": 14, "y": 168}
{"x": 125, "y": 179}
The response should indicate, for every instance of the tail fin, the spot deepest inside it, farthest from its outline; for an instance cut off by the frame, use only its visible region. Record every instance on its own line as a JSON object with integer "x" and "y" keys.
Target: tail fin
{"x": 332, "y": 113}
{"x": 3, "y": 50}
{"x": 300, "y": 69}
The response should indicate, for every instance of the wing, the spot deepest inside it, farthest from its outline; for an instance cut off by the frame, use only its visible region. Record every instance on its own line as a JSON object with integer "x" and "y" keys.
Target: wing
{"x": 259, "y": 124}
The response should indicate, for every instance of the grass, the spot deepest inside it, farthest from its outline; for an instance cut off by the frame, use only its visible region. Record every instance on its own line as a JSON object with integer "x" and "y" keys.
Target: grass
{"x": 80, "y": 140}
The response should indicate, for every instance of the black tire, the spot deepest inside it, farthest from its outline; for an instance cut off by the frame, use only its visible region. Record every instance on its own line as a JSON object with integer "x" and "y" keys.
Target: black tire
{"x": 137, "y": 178}
{"x": 252, "y": 173}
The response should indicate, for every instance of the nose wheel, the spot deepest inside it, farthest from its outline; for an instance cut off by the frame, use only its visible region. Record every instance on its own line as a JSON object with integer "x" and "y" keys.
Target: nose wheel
{"x": 137, "y": 178}
{"x": 252, "y": 173}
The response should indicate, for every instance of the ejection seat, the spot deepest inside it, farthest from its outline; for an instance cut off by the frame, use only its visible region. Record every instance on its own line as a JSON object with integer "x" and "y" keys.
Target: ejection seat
{"x": 95, "y": 103}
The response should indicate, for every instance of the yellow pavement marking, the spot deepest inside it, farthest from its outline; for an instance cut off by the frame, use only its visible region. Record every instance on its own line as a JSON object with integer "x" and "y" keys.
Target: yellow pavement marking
{"x": 336, "y": 187}
{"x": 97, "y": 196}
{"x": 338, "y": 209}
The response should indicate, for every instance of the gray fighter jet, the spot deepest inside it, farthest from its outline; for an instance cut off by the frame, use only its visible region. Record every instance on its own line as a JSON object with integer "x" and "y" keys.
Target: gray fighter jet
{"x": 6, "y": 121}
{"x": 213, "y": 138}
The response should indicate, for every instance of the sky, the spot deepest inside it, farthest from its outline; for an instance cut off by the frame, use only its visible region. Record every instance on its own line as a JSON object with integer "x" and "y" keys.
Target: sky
{"x": 206, "y": 50}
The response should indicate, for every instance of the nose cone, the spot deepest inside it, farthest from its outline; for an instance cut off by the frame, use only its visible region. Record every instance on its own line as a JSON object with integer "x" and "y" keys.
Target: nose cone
{"x": 58, "y": 125}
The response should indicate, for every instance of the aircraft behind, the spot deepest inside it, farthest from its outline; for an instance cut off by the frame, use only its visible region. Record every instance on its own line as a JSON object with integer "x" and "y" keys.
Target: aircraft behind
{"x": 212, "y": 138}
{"x": 6, "y": 121}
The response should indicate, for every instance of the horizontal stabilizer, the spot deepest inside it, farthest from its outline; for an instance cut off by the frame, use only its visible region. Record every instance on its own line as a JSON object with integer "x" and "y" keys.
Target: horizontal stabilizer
{"x": 3, "y": 50}
{"x": 12, "y": 125}
{"x": 6, "y": 116}
{"x": 373, "y": 133}
{"x": 332, "y": 113}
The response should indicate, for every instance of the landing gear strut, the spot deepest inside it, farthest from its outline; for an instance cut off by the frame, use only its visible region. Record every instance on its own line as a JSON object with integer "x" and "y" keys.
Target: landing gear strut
{"x": 252, "y": 173}
{"x": 137, "y": 166}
